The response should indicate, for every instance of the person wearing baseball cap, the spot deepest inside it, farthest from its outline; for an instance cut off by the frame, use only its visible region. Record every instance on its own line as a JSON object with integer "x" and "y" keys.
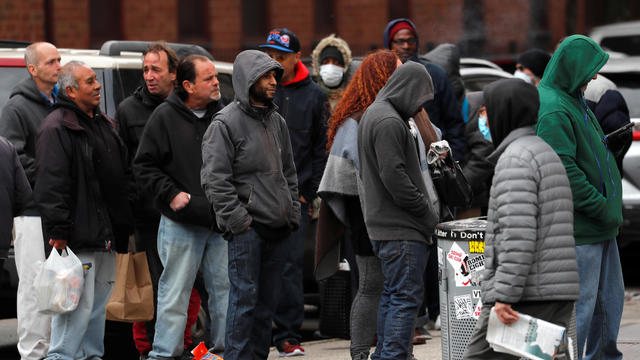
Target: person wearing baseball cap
{"x": 305, "y": 108}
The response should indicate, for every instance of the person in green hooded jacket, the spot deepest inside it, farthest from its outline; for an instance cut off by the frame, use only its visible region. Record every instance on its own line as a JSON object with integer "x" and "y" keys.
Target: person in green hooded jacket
{"x": 566, "y": 123}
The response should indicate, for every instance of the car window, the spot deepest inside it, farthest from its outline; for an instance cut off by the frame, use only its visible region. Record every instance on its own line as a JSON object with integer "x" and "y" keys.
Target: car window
{"x": 478, "y": 82}
{"x": 629, "y": 86}
{"x": 10, "y": 77}
{"x": 629, "y": 44}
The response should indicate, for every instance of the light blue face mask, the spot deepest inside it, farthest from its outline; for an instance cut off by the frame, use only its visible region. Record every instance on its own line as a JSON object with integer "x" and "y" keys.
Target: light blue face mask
{"x": 484, "y": 129}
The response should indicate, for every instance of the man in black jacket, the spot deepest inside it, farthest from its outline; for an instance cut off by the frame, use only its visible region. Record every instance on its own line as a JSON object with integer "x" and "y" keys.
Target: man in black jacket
{"x": 249, "y": 176}
{"x": 305, "y": 107}
{"x": 159, "y": 72}
{"x": 30, "y": 102}
{"x": 82, "y": 196}
{"x": 168, "y": 165}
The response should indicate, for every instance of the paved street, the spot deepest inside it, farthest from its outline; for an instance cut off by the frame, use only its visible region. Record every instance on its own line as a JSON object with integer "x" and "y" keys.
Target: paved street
{"x": 628, "y": 340}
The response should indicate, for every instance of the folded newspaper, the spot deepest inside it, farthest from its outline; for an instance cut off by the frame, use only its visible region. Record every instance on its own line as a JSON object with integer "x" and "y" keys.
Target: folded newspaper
{"x": 528, "y": 337}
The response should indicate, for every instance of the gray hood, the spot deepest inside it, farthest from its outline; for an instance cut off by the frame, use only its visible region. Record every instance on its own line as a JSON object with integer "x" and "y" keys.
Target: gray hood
{"x": 597, "y": 88}
{"x": 248, "y": 67}
{"x": 447, "y": 56}
{"x": 407, "y": 89}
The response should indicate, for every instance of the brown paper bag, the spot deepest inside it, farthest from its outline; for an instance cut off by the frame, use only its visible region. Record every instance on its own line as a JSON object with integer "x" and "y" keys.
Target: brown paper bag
{"x": 132, "y": 296}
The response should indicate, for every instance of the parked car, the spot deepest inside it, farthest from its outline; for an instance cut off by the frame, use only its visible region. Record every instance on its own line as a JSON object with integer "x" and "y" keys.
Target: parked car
{"x": 476, "y": 78}
{"x": 620, "y": 39}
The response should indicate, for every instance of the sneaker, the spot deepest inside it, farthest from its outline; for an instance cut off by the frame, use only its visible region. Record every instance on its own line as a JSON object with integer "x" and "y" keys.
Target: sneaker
{"x": 421, "y": 335}
{"x": 287, "y": 349}
{"x": 436, "y": 325}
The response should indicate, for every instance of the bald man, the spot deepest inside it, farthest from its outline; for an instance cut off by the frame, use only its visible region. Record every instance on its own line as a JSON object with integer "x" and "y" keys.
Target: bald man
{"x": 29, "y": 103}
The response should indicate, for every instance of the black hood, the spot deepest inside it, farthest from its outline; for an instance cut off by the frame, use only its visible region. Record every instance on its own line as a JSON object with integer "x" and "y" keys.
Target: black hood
{"x": 147, "y": 98}
{"x": 511, "y": 104}
{"x": 63, "y": 101}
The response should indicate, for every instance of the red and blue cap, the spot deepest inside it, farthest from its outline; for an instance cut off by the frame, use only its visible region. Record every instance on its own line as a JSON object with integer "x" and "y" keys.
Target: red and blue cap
{"x": 283, "y": 40}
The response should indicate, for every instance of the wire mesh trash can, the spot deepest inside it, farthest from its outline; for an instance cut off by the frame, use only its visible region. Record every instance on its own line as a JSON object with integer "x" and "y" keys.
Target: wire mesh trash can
{"x": 460, "y": 261}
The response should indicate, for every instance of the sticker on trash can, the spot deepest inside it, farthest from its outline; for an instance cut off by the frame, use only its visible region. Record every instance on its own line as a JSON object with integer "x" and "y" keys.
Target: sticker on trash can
{"x": 477, "y": 310}
{"x": 463, "y": 306}
{"x": 476, "y": 247}
{"x": 475, "y": 263}
{"x": 459, "y": 260}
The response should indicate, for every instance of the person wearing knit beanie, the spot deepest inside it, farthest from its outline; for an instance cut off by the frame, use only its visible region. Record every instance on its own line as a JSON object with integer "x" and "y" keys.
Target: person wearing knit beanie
{"x": 531, "y": 64}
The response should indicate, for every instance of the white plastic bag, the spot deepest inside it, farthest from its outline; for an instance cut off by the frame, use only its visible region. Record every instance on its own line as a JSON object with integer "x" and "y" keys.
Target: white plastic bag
{"x": 59, "y": 283}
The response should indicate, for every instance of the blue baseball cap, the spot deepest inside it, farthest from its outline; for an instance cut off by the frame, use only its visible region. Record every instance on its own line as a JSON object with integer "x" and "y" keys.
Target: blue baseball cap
{"x": 283, "y": 40}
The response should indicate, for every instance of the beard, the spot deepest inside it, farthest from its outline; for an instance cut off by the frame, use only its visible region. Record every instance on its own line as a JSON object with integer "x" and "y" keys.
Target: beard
{"x": 260, "y": 94}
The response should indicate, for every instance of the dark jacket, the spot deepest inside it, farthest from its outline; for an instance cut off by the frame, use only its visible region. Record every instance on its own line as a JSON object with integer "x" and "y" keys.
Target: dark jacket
{"x": 443, "y": 109}
{"x": 82, "y": 188}
{"x": 477, "y": 169}
{"x": 305, "y": 108}
{"x": 15, "y": 193}
{"x": 21, "y": 118}
{"x": 611, "y": 110}
{"x": 448, "y": 56}
{"x": 399, "y": 201}
{"x": 248, "y": 171}
{"x": 169, "y": 159}
{"x": 132, "y": 115}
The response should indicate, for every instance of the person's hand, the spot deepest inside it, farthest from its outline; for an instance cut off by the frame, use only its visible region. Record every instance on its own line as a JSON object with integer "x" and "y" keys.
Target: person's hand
{"x": 58, "y": 244}
{"x": 180, "y": 201}
{"x": 505, "y": 313}
{"x": 309, "y": 208}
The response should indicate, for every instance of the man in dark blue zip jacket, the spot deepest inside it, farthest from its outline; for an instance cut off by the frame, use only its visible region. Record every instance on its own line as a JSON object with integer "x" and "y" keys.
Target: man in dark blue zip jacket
{"x": 305, "y": 107}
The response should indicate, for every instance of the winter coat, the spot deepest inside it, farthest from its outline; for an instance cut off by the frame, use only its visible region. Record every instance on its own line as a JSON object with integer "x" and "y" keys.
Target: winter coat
{"x": 398, "y": 198}
{"x": 444, "y": 110}
{"x": 566, "y": 123}
{"x": 348, "y": 71}
{"x": 15, "y": 193}
{"x": 305, "y": 108}
{"x": 610, "y": 108}
{"x": 448, "y": 56}
{"x": 529, "y": 247}
{"x": 477, "y": 170}
{"x": 169, "y": 159}
{"x": 248, "y": 171}
{"x": 132, "y": 115}
{"x": 91, "y": 212}
{"x": 21, "y": 118}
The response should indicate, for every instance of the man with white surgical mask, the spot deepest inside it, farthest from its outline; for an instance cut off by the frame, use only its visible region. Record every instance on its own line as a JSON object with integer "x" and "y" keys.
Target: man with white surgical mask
{"x": 530, "y": 65}
{"x": 333, "y": 66}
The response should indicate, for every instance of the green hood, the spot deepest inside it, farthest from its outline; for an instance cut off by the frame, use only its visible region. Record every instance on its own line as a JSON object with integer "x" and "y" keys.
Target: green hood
{"x": 575, "y": 62}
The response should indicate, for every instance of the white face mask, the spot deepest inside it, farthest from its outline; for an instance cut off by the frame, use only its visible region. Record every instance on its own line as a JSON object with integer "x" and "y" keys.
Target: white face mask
{"x": 331, "y": 74}
{"x": 523, "y": 76}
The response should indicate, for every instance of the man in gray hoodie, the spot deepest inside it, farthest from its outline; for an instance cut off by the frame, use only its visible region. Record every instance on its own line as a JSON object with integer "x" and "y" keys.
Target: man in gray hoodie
{"x": 400, "y": 205}
{"x": 249, "y": 176}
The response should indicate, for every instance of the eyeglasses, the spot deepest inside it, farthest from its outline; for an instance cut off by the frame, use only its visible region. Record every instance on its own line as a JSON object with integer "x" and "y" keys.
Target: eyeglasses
{"x": 410, "y": 41}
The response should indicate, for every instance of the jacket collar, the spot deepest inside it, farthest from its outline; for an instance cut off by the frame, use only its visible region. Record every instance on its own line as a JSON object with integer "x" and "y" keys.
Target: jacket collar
{"x": 513, "y": 135}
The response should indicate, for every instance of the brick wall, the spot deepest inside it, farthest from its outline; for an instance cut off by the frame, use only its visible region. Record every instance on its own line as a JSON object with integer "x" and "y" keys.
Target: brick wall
{"x": 297, "y": 16}
{"x": 150, "y": 20}
{"x": 225, "y": 27}
{"x": 70, "y": 23}
{"x": 438, "y": 21}
{"x": 22, "y": 20}
{"x": 507, "y": 25}
{"x": 361, "y": 23}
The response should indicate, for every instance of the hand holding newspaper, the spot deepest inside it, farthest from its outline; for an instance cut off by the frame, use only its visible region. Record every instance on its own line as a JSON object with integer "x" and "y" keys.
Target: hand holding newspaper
{"x": 528, "y": 337}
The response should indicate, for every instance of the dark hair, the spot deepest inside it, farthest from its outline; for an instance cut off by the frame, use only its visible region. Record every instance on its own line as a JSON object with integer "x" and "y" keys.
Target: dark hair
{"x": 187, "y": 71}
{"x": 172, "y": 57}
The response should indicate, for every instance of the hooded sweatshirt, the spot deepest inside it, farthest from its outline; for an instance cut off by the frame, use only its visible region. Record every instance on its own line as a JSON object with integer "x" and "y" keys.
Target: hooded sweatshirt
{"x": 248, "y": 171}
{"x": 398, "y": 198}
{"x": 443, "y": 109}
{"x": 21, "y": 118}
{"x": 168, "y": 160}
{"x": 448, "y": 56}
{"x": 529, "y": 247}
{"x": 566, "y": 123}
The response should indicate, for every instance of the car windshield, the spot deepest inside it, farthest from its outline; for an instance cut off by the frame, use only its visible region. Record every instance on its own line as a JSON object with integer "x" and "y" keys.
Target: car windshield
{"x": 10, "y": 77}
{"x": 629, "y": 86}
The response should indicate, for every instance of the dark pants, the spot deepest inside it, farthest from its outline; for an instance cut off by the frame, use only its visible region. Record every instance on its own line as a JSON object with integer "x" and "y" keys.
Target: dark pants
{"x": 255, "y": 273}
{"x": 289, "y": 313}
{"x": 557, "y": 312}
{"x": 403, "y": 264}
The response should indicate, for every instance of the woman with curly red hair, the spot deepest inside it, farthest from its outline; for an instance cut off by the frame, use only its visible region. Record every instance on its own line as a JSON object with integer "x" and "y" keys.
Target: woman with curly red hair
{"x": 340, "y": 208}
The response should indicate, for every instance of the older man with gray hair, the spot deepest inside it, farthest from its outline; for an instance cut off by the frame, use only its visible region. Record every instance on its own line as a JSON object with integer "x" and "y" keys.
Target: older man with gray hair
{"x": 30, "y": 102}
{"x": 82, "y": 197}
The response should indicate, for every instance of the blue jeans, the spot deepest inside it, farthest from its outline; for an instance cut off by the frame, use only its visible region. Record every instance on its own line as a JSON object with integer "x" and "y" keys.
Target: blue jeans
{"x": 182, "y": 249}
{"x": 255, "y": 272}
{"x": 80, "y": 334}
{"x": 599, "y": 309}
{"x": 289, "y": 312}
{"x": 403, "y": 265}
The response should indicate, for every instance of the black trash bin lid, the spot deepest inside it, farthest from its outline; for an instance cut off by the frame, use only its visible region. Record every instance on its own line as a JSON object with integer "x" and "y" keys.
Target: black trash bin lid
{"x": 465, "y": 229}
